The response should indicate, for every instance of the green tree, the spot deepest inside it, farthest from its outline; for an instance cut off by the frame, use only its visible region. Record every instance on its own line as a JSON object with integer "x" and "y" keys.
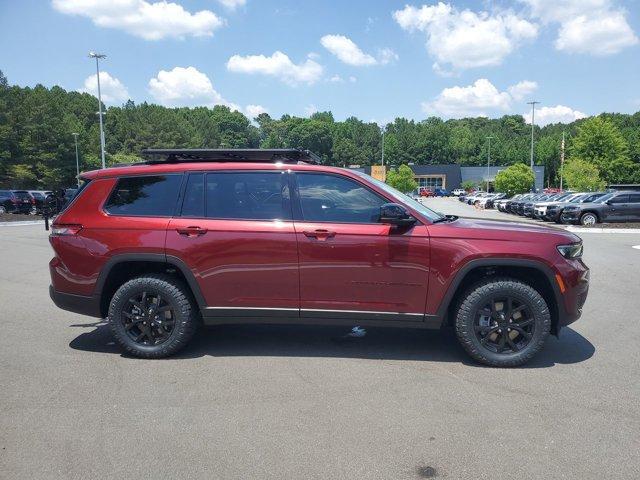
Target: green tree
{"x": 600, "y": 142}
{"x": 402, "y": 179}
{"x": 469, "y": 185}
{"x": 517, "y": 178}
{"x": 582, "y": 176}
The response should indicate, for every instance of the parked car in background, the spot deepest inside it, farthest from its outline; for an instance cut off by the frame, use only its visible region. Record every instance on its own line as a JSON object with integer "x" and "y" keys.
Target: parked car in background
{"x": 490, "y": 201}
{"x": 441, "y": 192}
{"x": 147, "y": 246}
{"x": 39, "y": 197}
{"x": 554, "y": 211}
{"x": 426, "y": 192}
{"x": 458, "y": 191}
{"x": 16, "y": 201}
{"x": 622, "y": 206}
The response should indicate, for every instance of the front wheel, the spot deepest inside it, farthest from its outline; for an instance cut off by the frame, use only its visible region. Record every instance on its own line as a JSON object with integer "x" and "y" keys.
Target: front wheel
{"x": 588, "y": 219}
{"x": 153, "y": 316}
{"x": 502, "y": 322}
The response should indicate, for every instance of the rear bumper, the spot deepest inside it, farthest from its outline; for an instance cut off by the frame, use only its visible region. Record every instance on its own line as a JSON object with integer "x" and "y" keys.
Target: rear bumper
{"x": 76, "y": 303}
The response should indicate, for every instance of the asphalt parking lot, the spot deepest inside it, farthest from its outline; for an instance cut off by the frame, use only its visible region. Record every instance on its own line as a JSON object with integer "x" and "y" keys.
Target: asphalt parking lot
{"x": 295, "y": 403}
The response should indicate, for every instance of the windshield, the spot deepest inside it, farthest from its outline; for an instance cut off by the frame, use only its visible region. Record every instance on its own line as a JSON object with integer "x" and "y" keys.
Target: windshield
{"x": 401, "y": 197}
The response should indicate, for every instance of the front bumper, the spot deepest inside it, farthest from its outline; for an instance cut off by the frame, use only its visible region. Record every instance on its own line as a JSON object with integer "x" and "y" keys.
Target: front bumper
{"x": 76, "y": 303}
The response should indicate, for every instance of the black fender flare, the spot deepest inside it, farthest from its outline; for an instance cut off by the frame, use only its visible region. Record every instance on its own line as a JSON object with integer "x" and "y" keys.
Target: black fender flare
{"x": 502, "y": 262}
{"x": 160, "y": 258}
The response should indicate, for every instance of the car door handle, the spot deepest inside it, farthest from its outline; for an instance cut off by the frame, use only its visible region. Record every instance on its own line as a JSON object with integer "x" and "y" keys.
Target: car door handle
{"x": 320, "y": 234}
{"x": 191, "y": 231}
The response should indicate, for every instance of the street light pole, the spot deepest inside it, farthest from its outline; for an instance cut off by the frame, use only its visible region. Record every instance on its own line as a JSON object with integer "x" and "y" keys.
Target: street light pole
{"x": 98, "y": 57}
{"x": 488, "y": 160}
{"x": 75, "y": 136}
{"x": 561, "y": 159}
{"x": 533, "y": 122}
{"x": 383, "y": 127}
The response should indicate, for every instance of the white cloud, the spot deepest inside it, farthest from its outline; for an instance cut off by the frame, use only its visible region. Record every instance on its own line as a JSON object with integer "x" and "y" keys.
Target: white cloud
{"x": 151, "y": 21}
{"x": 348, "y": 52}
{"x": 557, "y": 114}
{"x": 386, "y": 55}
{"x": 277, "y": 65}
{"x": 111, "y": 88}
{"x": 522, "y": 89}
{"x": 472, "y": 100}
{"x": 595, "y": 27}
{"x": 479, "y": 99}
{"x": 253, "y": 111}
{"x": 232, "y": 4}
{"x": 336, "y": 79}
{"x": 310, "y": 109}
{"x": 353, "y": 79}
{"x": 185, "y": 87}
{"x": 466, "y": 39}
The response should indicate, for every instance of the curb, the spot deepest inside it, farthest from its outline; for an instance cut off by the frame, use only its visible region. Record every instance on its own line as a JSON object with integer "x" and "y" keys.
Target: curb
{"x": 21, "y": 224}
{"x": 603, "y": 230}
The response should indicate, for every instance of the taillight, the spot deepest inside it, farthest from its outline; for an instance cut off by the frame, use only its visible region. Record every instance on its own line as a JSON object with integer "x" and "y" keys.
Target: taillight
{"x": 33, "y": 201}
{"x": 60, "y": 230}
{"x": 15, "y": 200}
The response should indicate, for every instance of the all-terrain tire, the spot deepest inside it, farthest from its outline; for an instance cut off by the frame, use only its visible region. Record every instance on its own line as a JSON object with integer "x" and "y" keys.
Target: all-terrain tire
{"x": 477, "y": 296}
{"x": 176, "y": 294}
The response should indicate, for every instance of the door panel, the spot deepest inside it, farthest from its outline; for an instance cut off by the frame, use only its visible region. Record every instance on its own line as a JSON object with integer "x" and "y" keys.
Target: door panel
{"x": 239, "y": 264}
{"x": 362, "y": 268}
{"x": 618, "y": 210}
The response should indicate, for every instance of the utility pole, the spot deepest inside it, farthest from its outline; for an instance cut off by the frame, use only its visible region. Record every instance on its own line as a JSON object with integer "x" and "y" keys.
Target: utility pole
{"x": 533, "y": 122}
{"x": 488, "y": 160}
{"x": 98, "y": 57}
{"x": 383, "y": 128}
{"x": 75, "y": 136}
{"x": 561, "y": 159}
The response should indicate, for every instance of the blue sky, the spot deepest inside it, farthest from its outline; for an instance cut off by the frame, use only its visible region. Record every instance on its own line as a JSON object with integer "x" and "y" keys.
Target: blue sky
{"x": 372, "y": 59}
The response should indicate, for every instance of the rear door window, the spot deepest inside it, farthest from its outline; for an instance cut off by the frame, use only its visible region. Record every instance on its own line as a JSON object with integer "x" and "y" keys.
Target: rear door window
{"x": 247, "y": 196}
{"x": 634, "y": 198}
{"x": 152, "y": 196}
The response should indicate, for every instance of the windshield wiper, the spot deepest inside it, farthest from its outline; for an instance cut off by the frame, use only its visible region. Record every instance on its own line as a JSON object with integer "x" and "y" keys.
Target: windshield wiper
{"x": 446, "y": 218}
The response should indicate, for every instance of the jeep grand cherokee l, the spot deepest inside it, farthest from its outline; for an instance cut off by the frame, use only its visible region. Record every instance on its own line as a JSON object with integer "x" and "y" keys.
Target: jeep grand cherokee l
{"x": 271, "y": 236}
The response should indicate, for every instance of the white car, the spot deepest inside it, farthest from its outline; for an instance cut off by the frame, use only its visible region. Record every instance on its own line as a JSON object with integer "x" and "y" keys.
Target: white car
{"x": 458, "y": 191}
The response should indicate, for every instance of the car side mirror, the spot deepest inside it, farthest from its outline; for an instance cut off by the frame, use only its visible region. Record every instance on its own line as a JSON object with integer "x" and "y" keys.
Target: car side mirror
{"x": 395, "y": 214}
{"x": 609, "y": 202}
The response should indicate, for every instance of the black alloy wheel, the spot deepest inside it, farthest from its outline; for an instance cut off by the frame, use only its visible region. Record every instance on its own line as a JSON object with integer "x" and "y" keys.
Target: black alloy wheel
{"x": 504, "y": 325}
{"x": 148, "y": 319}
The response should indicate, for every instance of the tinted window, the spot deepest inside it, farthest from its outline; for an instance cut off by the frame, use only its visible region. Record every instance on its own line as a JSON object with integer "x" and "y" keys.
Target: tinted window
{"x": 620, "y": 199}
{"x": 329, "y": 198}
{"x": 193, "y": 205}
{"x": 634, "y": 198}
{"x": 248, "y": 196}
{"x": 150, "y": 195}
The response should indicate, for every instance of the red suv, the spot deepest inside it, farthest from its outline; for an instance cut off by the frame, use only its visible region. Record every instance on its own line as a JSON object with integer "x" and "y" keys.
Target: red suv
{"x": 271, "y": 236}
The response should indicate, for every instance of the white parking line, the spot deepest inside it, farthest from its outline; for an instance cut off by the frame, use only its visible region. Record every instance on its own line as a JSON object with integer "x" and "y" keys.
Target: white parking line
{"x": 637, "y": 247}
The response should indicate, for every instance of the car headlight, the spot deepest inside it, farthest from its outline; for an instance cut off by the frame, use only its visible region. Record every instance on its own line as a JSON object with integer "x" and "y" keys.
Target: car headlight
{"x": 570, "y": 251}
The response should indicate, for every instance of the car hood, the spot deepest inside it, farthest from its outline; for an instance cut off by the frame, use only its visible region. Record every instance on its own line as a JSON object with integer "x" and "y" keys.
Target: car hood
{"x": 500, "y": 230}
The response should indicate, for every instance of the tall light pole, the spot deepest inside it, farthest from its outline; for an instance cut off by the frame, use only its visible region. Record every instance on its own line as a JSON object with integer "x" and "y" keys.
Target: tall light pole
{"x": 488, "y": 160}
{"x": 533, "y": 123}
{"x": 98, "y": 57}
{"x": 383, "y": 129}
{"x": 75, "y": 137}
{"x": 561, "y": 159}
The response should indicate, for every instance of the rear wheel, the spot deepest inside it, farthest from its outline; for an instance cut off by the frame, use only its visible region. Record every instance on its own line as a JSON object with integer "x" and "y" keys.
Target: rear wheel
{"x": 153, "y": 316}
{"x": 588, "y": 219}
{"x": 502, "y": 322}
{"x": 3, "y": 210}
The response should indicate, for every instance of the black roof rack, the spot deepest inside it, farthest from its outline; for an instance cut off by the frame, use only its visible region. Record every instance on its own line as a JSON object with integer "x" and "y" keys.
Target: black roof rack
{"x": 285, "y": 155}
